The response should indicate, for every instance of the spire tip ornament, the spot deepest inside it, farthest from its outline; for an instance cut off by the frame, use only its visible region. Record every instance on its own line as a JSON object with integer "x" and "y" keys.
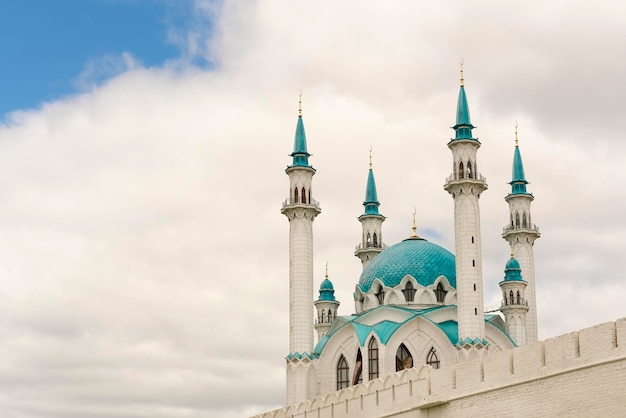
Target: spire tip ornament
{"x": 462, "y": 80}
{"x": 414, "y": 224}
{"x": 300, "y": 104}
{"x": 516, "y": 140}
{"x": 327, "y": 269}
{"x": 370, "y": 157}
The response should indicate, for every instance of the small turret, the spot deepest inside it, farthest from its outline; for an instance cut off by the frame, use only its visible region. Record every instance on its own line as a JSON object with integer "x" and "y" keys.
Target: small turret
{"x": 326, "y": 306}
{"x": 371, "y": 220}
{"x": 514, "y": 305}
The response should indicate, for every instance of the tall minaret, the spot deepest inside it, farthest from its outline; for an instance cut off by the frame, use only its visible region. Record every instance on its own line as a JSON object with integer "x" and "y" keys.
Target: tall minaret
{"x": 371, "y": 222}
{"x": 514, "y": 304}
{"x": 521, "y": 234}
{"x": 300, "y": 208}
{"x": 465, "y": 185}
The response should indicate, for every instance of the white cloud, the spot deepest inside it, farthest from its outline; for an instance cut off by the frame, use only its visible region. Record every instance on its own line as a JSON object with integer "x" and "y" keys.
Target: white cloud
{"x": 143, "y": 257}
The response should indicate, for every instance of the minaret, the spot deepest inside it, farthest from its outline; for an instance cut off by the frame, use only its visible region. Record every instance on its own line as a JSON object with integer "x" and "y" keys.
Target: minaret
{"x": 465, "y": 185}
{"x": 300, "y": 208}
{"x": 326, "y": 306}
{"x": 521, "y": 234}
{"x": 371, "y": 222}
{"x": 514, "y": 304}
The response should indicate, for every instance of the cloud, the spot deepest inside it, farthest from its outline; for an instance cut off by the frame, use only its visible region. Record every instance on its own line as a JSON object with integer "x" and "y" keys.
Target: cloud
{"x": 143, "y": 256}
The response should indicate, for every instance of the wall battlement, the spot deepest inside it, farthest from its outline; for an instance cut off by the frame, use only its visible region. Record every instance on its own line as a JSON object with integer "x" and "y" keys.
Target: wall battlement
{"x": 565, "y": 375}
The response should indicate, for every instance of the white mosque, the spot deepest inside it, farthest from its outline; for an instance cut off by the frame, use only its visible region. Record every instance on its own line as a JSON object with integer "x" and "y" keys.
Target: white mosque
{"x": 415, "y": 303}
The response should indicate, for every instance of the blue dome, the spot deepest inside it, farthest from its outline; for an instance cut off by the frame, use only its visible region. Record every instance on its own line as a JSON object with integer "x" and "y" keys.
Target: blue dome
{"x": 326, "y": 285}
{"x": 421, "y": 259}
{"x": 512, "y": 264}
{"x": 512, "y": 271}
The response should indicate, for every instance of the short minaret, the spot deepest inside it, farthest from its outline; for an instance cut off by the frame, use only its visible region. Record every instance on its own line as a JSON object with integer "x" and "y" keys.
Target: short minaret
{"x": 300, "y": 208}
{"x": 514, "y": 304}
{"x": 521, "y": 234}
{"x": 326, "y": 306}
{"x": 465, "y": 185}
{"x": 371, "y": 222}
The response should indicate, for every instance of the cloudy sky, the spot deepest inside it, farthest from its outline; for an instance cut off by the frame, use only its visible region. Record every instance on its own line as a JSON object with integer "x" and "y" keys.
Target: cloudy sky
{"x": 143, "y": 256}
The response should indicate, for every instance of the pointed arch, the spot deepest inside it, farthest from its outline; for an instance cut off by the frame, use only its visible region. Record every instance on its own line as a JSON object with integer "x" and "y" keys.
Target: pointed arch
{"x": 409, "y": 291}
{"x": 440, "y": 293}
{"x": 404, "y": 359}
{"x": 511, "y": 298}
{"x": 372, "y": 359}
{"x": 519, "y": 299}
{"x": 524, "y": 220}
{"x": 461, "y": 170}
{"x": 295, "y": 195}
{"x": 368, "y": 241}
{"x": 343, "y": 381}
{"x": 380, "y": 295}
{"x": 303, "y": 195}
{"x": 322, "y": 318}
{"x": 375, "y": 240}
{"x": 517, "y": 220}
{"x": 330, "y": 316}
{"x": 432, "y": 360}
{"x": 470, "y": 173}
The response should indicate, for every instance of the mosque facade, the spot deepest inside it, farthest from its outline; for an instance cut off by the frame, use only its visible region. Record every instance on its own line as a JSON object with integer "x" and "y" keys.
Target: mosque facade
{"x": 415, "y": 302}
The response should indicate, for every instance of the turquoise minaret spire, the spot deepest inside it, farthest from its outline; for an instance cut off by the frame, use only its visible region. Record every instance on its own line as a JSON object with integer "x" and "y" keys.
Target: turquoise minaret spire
{"x": 300, "y": 154}
{"x": 372, "y": 222}
{"x": 518, "y": 182}
{"x": 463, "y": 127}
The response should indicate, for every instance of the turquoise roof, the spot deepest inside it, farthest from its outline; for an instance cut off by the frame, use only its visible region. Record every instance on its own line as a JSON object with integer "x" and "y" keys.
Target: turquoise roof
{"x": 518, "y": 183}
{"x": 300, "y": 154}
{"x": 421, "y": 259}
{"x": 371, "y": 202}
{"x": 385, "y": 329}
{"x": 463, "y": 127}
{"x": 327, "y": 292}
{"x": 513, "y": 270}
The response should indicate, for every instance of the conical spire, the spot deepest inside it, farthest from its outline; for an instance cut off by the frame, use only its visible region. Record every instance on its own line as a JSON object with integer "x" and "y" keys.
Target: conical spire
{"x": 371, "y": 202}
{"x": 300, "y": 154}
{"x": 463, "y": 125}
{"x": 518, "y": 182}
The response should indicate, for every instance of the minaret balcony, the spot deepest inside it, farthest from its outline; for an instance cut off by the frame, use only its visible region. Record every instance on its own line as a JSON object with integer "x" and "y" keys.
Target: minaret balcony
{"x": 291, "y": 201}
{"x": 370, "y": 245}
{"x": 466, "y": 176}
{"x": 520, "y": 228}
{"x": 514, "y": 303}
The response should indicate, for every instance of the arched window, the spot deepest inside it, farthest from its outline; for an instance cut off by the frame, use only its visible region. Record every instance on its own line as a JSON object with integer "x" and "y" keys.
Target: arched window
{"x": 375, "y": 240}
{"x": 517, "y": 220}
{"x": 380, "y": 295}
{"x": 409, "y": 292}
{"x": 519, "y": 299}
{"x": 330, "y": 316}
{"x": 322, "y": 319}
{"x": 358, "y": 368}
{"x": 372, "y": 359}
{"x": 440, "y": 293}
{"x": 470, "y": 174}
{"x": 404, "y": 360}
{"x": 369, "y": 239}
{"x": 512, "y": 224}
{"x": 461, "y": 170}
{"x": 524, "y": 221}
{"x": 343, "y": 381}
{"x": 303, "y": 195}
{"x": 431, "y": 359}
{"x": 511, "y": 298}
{"x": 295, "y": 195}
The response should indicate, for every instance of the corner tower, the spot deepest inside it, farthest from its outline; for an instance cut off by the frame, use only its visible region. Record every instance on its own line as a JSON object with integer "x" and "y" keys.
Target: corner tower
{"x": 465, "y": 185}
{"x": 371, "y": 222}
{"x": 300, "y": 208}
{"x": 521, "y": 234}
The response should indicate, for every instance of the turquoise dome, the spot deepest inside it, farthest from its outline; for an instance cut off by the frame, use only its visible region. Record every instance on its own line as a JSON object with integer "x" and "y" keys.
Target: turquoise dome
{"x": 327, "y": 291}
{"x": 421, "y": 259}
{"x": 512, "y": 264}
{"x": 512, "y": 271}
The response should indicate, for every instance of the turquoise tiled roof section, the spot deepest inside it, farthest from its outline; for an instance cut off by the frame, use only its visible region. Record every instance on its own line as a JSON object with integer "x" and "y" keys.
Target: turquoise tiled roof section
{"x": 463, "y": 127}
{"x": 327, "y": 291}
{"x": 518, "y": 183}
{"x": 451, "y": 329}
{"x": 300, "y": 154}
{"x": 513, "y": 271}
{"x": 421, "y": 259}
{"x": 371, "y": 202}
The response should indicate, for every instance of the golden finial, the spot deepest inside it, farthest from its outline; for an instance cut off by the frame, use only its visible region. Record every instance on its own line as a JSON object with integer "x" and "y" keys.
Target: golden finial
{"x": 516, "y": 140}
{"x": 370, "y": 157}
{"x": 462, "y": 81}
{"x": 327, "y": 269}
{"x": 300, "y": 104}
{"x": 414, "y": 224}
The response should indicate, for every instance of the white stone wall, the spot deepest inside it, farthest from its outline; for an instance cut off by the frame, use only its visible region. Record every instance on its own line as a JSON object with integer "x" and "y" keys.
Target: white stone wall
{"x": 580, "y": 374}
